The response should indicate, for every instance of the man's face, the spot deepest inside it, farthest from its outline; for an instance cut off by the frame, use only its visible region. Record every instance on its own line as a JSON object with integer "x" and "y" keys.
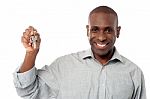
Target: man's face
{"x": 102, "y": 32}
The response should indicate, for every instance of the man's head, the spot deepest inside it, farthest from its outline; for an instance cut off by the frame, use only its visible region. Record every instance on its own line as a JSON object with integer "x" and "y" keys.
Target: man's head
{"x": 102, "y": 30}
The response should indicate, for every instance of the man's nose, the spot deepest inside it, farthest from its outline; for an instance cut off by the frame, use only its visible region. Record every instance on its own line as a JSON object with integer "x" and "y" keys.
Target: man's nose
{"x": 101, "y": 36}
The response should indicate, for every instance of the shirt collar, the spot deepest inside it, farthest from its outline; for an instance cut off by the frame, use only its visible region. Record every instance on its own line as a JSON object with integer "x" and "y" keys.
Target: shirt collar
{"x": 89, "y": 54}
{"x": 116, "y": 56}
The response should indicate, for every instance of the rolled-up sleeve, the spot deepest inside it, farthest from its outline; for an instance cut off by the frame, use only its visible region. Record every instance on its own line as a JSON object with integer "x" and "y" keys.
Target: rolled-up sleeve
{"x": 33, "y": 85}
{"x": 27, "y": 84}
{"x": 22, "y": 80}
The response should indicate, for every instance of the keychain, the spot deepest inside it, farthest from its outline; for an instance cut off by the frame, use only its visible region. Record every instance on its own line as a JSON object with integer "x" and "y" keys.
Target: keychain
{"x": 33, "y": 40}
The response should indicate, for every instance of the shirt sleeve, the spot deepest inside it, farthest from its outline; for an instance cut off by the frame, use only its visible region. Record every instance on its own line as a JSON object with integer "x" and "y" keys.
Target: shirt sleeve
{"x": 27, "y": 84}
{"x": 139, "y": 83}
{"x": 36, "y": 83}
{"x": 22, "y": 80}
{"x": 141, "y": 91}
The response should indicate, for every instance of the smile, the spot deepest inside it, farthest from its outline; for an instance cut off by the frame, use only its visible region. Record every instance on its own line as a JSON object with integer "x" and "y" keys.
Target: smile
{"x": 101, "y": 46}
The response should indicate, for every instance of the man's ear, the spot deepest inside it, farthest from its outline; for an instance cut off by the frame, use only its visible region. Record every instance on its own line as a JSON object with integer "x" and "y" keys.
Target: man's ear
{"x": 87, "y": 29}
{"x": 118, "y": 31}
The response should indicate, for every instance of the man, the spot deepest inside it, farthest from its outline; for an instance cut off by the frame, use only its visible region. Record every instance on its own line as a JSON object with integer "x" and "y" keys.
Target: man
{"x": 98, "y": 73}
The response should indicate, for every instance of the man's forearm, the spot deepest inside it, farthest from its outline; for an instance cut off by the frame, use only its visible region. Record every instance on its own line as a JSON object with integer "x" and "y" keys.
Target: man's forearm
{"x": 28, "y": 63}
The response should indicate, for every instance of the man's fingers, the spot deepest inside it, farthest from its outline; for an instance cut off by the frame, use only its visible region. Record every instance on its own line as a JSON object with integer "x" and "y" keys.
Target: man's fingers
{"x": 32, "y": 30}
{"x": 37, "y": 35}
{"x": 24, "y": 40}
{"x": 31, "y": 39}
{"x": 27, "y": 32}
{"x": 25, "y": 35}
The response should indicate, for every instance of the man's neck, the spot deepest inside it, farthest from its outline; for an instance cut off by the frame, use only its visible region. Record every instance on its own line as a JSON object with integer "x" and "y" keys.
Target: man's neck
{"x": 105, "y": 58}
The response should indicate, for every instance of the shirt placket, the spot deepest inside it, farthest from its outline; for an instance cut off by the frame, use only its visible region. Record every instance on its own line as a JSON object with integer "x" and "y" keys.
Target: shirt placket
{"x": 102, "y": 83}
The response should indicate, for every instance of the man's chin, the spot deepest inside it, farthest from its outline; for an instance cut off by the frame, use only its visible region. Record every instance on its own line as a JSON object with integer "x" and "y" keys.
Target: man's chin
{"x": 100, "y": 52}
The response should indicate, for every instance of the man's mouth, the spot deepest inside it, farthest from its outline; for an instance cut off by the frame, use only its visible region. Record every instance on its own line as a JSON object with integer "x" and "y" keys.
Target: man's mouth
{"x": 101, "y": 46}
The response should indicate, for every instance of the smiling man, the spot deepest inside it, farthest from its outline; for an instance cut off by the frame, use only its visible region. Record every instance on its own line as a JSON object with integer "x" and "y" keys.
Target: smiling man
{"x": 98, "y": 73}
{"x": 102, "y": 32}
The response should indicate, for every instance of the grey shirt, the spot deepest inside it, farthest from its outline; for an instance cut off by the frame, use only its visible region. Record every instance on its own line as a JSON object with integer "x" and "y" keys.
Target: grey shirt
{"x": 80, "y": 76}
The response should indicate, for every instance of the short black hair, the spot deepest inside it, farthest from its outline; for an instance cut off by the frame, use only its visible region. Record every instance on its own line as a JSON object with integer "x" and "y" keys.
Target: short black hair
{"x": 104, "y": 9}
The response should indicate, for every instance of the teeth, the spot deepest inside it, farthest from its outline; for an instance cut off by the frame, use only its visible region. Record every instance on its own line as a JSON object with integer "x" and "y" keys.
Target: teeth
{"x": 101, "y": 45}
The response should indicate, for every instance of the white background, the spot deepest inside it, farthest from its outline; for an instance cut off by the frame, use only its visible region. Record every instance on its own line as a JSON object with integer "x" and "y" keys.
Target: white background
{"x": 61, "y": 24}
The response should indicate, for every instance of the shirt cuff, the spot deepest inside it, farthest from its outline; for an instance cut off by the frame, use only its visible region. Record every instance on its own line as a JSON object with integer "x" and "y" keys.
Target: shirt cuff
{"x": 22, "y": 80}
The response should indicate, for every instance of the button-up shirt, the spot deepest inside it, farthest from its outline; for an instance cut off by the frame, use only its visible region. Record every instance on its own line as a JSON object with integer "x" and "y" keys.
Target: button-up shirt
{"x": 80, "y": 76}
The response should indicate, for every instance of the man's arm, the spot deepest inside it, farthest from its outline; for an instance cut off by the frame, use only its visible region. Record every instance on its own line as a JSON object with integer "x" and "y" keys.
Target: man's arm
{"x": 31, "y": 83}
{"x": 141, "y": 92}
{"x": 139, "y": 83}
{"x": 32, "y": 48}
{"x": 25, "y": 78}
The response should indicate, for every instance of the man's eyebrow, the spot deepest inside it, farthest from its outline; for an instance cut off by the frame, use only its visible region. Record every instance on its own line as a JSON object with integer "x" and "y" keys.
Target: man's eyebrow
{"x": 94, "y": 25}
{"x": 108, "y": 27}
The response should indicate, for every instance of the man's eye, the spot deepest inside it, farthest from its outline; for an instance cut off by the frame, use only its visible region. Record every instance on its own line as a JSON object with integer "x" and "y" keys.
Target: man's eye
{"x": 94, "y": 30}
{"x": 108, "y": 30}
